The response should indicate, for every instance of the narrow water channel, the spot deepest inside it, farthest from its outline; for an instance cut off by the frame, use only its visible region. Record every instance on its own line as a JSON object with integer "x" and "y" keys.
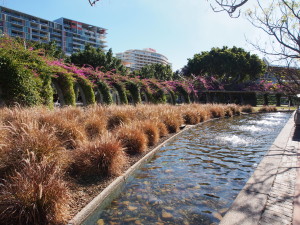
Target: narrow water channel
{"x": 195, "y": 178}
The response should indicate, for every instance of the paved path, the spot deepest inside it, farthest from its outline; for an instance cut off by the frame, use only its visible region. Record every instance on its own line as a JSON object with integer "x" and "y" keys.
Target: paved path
{"x": 272, "y": 194}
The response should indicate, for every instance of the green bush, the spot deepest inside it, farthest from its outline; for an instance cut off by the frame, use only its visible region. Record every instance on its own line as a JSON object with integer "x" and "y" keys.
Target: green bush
{"x": 134, "y": 90}
{"x": 122, "y": 92}
{"x": 181, "y": 90}
{"x": 47, "y": 90}
{"x": 66, "y": 83}
{"x": 87, "y": 88}
{"x": 104, "y": 89}
{"x": 18, "y": 84}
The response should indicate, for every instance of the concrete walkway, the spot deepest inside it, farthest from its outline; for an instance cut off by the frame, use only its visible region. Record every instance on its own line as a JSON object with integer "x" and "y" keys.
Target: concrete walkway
{"x": 271, "y": 195}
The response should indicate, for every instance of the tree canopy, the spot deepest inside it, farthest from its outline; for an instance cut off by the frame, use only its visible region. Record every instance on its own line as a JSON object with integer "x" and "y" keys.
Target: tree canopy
{"x": 158, "y": 71}
{"x": 96, "y": 57}
{"x": 227, "y": 64}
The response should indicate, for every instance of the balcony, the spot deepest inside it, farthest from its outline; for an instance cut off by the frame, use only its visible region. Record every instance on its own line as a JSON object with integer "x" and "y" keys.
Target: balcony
{"x": 45, "y": 29}
{"x": 45, "y": 23}
{"x": 16, "y": 35}
{"x": 12, "y": 15}
{"x": 55, "y": 38}
{"x": 16, "y": 22}
{"x": 56, "y": 33}
{"x": 16, "y": 28}
{"x": 43, "y": 34}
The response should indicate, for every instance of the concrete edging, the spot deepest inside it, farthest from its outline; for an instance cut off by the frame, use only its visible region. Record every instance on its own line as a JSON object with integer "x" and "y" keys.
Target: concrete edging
{"x": 114, "y": 188}
{"x": 250, "y": 203}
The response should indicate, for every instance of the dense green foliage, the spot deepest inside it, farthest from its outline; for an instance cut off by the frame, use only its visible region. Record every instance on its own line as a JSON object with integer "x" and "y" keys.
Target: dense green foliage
{"x": 88, "y": 91}
{"x": 122, "y": 92}
{"x": 49, "y": 49}
{"x": 104, "y": 89}
{"x": 230, "y": 65}
{"x": 18, "y": 84}
{"x": 157, "y": 71}
{"x": 134, "y": 90}
{"x": 97, "y": 58}
{"x": 66, "y": 84}
{"x": 184, "y": 94}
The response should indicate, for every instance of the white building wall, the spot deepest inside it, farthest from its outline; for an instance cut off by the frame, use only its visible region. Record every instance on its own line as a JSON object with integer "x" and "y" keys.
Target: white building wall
{"x": 136, "y": 59}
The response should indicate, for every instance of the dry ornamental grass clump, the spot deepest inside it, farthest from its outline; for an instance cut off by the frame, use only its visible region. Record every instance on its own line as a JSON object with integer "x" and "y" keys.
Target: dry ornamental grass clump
{"x": 216, "y": 111}
{"x": 151, "y": 130}
{"x": 173, "y": 120}
{"x": 191, "y": 117}
{"x": 163, "y": 131}
{"x": 268, "y": 109}
{"x": 103, "y": 157}
{"x": 117, "y": 118}
{"x": 94, "y": 126}
{"x": 133, "y": 139}
{"x": 36, "y": 195}
{"x": 18, "y": 116}
{"x": 236, "y": 110}
{"x": 29, "y": 138}
{"x": 228, "y": 112}
{"x": 69, "y": 132}
{"x": 247, "y": 109}
{"x": 70, "y": 113}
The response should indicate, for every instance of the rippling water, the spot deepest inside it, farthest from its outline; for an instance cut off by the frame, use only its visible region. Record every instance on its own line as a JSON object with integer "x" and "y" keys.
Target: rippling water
{"x": 194, "y": 179}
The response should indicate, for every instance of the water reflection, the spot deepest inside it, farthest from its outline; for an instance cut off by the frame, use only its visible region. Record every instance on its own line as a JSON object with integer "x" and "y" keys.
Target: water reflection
{"x": 194, "y": 179}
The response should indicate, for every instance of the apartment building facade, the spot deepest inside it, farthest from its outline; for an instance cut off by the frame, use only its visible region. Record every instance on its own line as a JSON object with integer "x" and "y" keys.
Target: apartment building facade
{"x": 69, "y": 35}
{"x": 136, "y": 59}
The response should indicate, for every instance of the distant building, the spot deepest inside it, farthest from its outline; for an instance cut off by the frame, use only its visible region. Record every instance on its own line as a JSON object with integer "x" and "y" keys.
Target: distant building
{"x": 136, "y": 59}
{"x": 68, "y": 34}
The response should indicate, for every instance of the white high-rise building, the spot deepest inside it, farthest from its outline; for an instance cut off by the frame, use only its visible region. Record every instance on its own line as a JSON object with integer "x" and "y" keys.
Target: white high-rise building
{"x": 136, "y": 59}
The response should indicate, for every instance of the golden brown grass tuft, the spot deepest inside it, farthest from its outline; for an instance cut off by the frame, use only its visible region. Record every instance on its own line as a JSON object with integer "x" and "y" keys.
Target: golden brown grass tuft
{"x": 35, "y": 195}
{"x": 228, "y": 112}
{"x": 70, "y": 113}
{"x": 216, "y": 111}
{"x": 103, "y": 157}
{"x": 173, "y": 120}
{"x": 69, "y": 132}
{"x": 268, "y": 109}
{"x": 133, "y": 139}
{"x": 117, "y": 119}
{"x": 191, "y": 117}
{"x": 236, "y": 110}
{"x": 94, "y": 126}
{"x": 163, "y": 131}
{"x": 151, "y": 130}
{"x": 247, "y": 109}
{"x": 26, "y": 138}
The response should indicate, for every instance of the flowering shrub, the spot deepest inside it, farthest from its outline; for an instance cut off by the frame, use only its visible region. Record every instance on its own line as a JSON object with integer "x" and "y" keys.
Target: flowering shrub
{"x": 34, "y": 72}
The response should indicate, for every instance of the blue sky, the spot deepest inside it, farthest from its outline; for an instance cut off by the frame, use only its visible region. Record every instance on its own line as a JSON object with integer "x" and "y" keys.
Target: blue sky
{"x": 175, "y": 28}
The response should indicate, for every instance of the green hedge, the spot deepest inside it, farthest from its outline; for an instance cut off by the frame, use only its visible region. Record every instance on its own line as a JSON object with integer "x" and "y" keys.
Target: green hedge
{"x": 181, "y": 90}
{"x": 47, "y": 90}
{"x": 66, "y": 84}
{"x": 18, "y": 84}
{"x": 122, "y": 92}
{"x": 88, "y": 91}
{"x": 104, "y": 89}
{"x": 172, "y": 95}
{"x": 134, "y": 90}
